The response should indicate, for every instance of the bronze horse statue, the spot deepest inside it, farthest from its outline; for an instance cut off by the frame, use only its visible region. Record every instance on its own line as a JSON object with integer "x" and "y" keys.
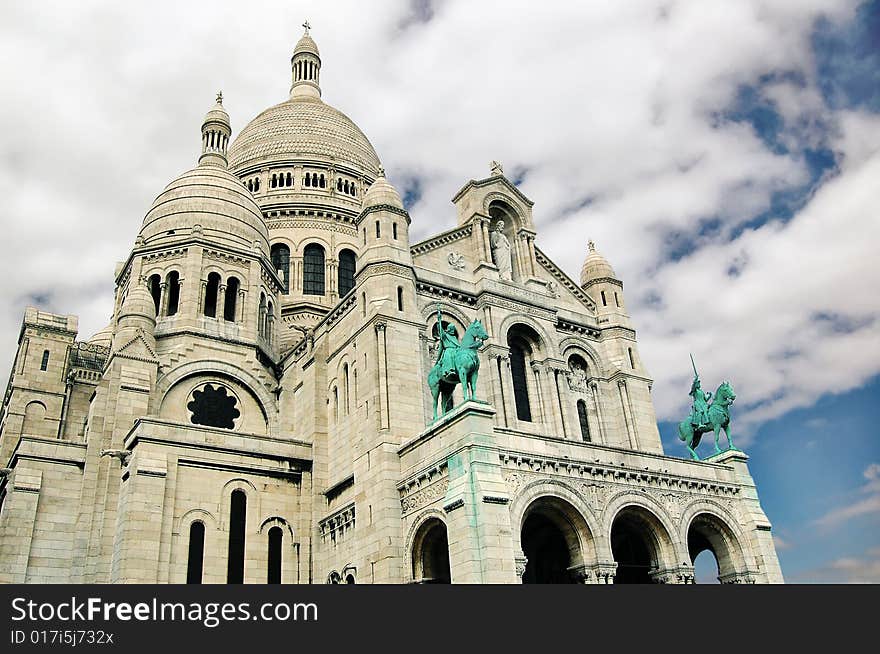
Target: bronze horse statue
{"x": 458, "y": 363}
{"x": 717, "y": 418}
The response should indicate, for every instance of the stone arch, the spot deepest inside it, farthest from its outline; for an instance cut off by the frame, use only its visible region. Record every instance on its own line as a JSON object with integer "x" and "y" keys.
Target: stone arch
{"x": 573, "y": 345}
{"x": 275, "y": 521}
{"x": 193, "y": 515}
{"x": 318, "y": 240}
{"x": 34, "y": 422}
{"x": 547, "y": 345}
{"x": 515, "y": 209}
{"x": 579, "y": 515}
{"x": 707, "y": 525}
{"x": 459, "y": 317}
{"x": 642, "y": 516}
{"x": 209, "y": 368}
{"x": 253, "y": 502}
{"x": 415, "y": 542}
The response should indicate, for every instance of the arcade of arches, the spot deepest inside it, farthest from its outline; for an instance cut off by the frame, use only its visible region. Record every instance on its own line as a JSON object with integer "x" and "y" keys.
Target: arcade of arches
{"x": 558, "y": 547}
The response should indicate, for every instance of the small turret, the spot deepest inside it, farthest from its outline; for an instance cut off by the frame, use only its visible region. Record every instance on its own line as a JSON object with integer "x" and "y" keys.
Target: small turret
{"x": 215, "y": 135}
{"x": 599, "y": 280}
{"x": 384, "y": 224}
{"x": 137, "y": 315}
{"x": 305, "y": 67}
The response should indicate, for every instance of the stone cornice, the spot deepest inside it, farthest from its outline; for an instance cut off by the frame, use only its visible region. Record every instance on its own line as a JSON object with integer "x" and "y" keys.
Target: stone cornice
{"x": 482, "y": 183}
{"x": 390, "y": 208}
{"x": 564, "y": 279}
{"x": 444, "y": 238}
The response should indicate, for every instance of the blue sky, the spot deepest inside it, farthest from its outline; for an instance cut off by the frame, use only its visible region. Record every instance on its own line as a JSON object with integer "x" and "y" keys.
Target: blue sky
{"x": 724, "y": 156}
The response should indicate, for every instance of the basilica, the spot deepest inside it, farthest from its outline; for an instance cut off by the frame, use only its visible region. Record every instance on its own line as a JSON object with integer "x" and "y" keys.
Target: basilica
{"x": 258, "y": 409}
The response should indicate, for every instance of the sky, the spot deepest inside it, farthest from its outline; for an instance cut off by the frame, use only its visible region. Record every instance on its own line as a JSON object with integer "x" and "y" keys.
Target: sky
{"x": 724, "y": 156}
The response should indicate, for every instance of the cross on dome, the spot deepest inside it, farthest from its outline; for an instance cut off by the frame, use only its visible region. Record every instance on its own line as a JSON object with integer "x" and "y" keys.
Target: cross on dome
{"x": 307, "y": 25}
{"x": 220, "y": 97}
{"x": 591, "y": 245}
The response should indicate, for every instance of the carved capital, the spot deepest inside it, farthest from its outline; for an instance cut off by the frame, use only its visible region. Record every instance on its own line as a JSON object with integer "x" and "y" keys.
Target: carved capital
{"x": 582, "y": 574}
{"x": 520, "y": 563}
{"x": 380, "y": 326}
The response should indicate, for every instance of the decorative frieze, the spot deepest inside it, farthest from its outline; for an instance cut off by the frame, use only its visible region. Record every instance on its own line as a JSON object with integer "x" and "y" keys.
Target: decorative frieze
{"x": 337, "y": 524}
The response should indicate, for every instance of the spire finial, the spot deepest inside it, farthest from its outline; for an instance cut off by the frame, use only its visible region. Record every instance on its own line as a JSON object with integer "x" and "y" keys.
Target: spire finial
{"x": 220, "y": 97}
{"x": 591, "y": 245}
{"x": 307, "y": 25}
{"x": 495, "y": 168}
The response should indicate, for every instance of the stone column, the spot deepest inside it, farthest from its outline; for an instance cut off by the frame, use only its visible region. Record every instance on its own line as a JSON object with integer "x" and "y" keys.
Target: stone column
{"x": 220, "y": 309}
{"x": 239, "y": 307}
{"x": 507, "y": 391}
{"x": 627, "y": 415}
{"x": 487, "y": 248}
{"x": 594, "y": 387}
{"x": 519, "y": 563}
{"x": 560, "y": 394}
{"x": 163, "y": 299}
{"x": 533, "y": 260}
{"x": 381, "y": 358}
{"x": 542, "y": 417}
{"x": 200, "y": 309}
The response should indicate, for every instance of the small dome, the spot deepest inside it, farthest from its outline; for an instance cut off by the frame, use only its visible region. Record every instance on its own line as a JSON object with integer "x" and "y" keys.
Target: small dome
{"x": 595, "y": 266}
{"x": 382, "y": 192}
{"x": 104, "y": 337}
{"x": 210, "y": 198}
{"x": 139, "y": 304}
{"x": 217, "y": 114}
{"x": 306, "y": 44}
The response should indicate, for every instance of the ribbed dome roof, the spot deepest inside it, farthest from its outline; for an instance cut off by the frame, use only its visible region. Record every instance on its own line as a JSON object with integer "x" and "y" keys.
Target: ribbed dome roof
{"x": 138, "y": 303}
{"x": 382, "y": 192}
{"x": 306, "y": 44}
{"x": 212, "y": 198}
{"x": 303, "y": 129}
{"x": 103, "y": 337}
{"x": 595, "y": 266}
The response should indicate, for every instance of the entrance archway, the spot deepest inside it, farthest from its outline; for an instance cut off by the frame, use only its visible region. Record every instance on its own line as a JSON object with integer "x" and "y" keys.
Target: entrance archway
{"x": 552, "y": 538}
{"x": 430, "y": 554}
{"x": 709, "y": 534}
{"x": 635, "y": 544}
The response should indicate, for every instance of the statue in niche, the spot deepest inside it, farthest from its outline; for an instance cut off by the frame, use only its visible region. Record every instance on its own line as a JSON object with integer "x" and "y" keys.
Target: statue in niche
{"x": 501, "y": 251}
{"x": 577, "y": 380}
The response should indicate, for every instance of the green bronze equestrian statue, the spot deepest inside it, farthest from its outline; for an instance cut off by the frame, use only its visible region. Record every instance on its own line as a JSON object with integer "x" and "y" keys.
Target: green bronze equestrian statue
{"x": 705, "y": 417}
{"x": 456, "y": 363}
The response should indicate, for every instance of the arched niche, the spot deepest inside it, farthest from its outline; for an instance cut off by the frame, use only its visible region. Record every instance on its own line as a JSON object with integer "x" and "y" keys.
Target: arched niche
{"x": 429, "y": 552}
{"x": 640, "y": 545}
{"x": 555, "y": 540}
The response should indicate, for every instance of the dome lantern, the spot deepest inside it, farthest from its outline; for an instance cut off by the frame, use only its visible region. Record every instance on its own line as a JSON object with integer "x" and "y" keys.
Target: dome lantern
{"x": 595, "y": 266}
{"x": 215, "y": 135}
{"x": 305, "y": 67}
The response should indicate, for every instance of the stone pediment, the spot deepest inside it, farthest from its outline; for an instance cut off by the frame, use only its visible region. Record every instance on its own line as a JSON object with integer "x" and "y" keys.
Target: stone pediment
{"x": 137, "y": 348}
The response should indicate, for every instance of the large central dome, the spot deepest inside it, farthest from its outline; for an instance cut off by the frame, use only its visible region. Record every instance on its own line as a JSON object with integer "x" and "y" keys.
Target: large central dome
{"x": 302, "y": 129}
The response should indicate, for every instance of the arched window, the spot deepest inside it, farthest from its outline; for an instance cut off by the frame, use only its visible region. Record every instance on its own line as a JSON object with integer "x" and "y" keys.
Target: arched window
{"x": 346, "y": 272}
{"x": 280, "y": 255}
{"x": 261, "y": 318}
{"x": 345, "y": 396}
{"x": 196, "y": 555}
{"x": 335, "y": 404}
{"x": 44, "y": 362}
{"x": 345, "y": 186}
{"x": 172, "y": 287}
{"x": 313, "y": 269}
{"x": 34, "y": 419}
{"x": 289, "y": 180}
{"x": 155, "y": 285}
{"x": 274, "y": 183}
{"x": 273, "y": 572}
{"x": 400, "y": 298}
{"x": 307, "y": 180}
{"x": 378, "y": 230}
{"x": 582, "y": 419}
{"x": 257, "y": 184}
{"x": 616, "y": 299}
{"x": 363, "y": 304}
{"x": 338, "y": 184}
{"x": 521, "y": 339}
{"x": 321, "y": 182}
{"x": 211, "y": 292}
{"x": 604, "y": 300}
{"x": 632, "y": 361}
{"x": 229, "y": 303}
{"x": 250, "y": 186}
{"x": 315, "y": 180}
{"x": 349, "y": 578}
{"x": 237, "y": 516}
{"x": 270, "y": 321}
{"x": 394, "y": 231}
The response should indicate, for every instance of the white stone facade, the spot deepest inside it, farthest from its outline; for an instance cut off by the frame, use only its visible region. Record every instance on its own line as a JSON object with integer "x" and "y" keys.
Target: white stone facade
{"x": 257, "y": 409}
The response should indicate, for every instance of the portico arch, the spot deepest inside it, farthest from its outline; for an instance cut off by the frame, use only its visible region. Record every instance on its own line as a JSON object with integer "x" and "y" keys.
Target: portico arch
{"x": 708, "y": 530}
{"x": 429, "y": 552}
{"x": 641, "y": 545}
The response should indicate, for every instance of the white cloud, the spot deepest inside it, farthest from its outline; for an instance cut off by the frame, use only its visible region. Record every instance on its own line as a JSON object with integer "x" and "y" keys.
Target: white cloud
{"x": 612, "y": 101}
{"x": 869, "y": 503}
{"x": 863, "y": 569}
